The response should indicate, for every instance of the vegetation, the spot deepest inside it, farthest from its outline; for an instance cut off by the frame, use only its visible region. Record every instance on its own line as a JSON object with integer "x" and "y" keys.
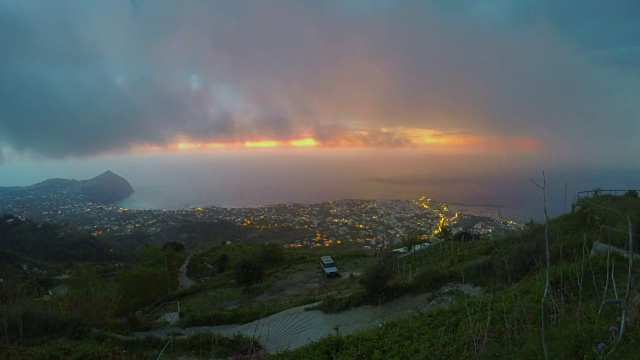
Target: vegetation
{"x": 410, "y": 241}
{"x": 506, "y": 321}
{"x": 53, "y": 243}
{"x": 100, "y": 345}
{"x": 375, "y": 281}
{"x": 249, "y": 272}
{"x": 77, "y": 316}
{"x": 36, "y": 308}
{"x": 222, "y": 300}
{"x": 154, "y": 277}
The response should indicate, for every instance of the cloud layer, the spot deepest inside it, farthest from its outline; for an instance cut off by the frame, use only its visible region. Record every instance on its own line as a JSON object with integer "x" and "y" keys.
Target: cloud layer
{"x": 81, "y": 78}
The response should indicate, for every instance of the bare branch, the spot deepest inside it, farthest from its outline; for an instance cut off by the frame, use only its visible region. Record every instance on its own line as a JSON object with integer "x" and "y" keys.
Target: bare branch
{"x": 536, "y": 184}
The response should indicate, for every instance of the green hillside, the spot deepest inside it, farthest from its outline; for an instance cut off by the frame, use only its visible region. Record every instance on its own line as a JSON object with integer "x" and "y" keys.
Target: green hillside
{"x": 506, "y": 321}
{"x": 93, "y": 314}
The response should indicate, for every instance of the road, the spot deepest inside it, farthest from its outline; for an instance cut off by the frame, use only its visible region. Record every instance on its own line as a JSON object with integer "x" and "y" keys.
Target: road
{"x": 296, "y": 327}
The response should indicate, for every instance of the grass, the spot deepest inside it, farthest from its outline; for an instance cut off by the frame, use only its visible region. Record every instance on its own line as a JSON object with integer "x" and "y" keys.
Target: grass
{"x": 506, "y": 321}
{"x": 103, "y": 346}
{"x": 503, "y": 323}
{"x": 219, "y": 300}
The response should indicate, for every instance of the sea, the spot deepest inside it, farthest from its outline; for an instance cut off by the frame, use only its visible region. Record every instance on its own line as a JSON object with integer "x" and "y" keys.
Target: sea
{"x": 251, "y": 179}
{"x": 519, "y": 200}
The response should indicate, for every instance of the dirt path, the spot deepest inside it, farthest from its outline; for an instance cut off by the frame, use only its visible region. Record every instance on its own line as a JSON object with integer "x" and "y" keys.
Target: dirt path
{"x": 296, "y": 327}
{"x": 183, "y": 280}
{"x": 291, "y": 328}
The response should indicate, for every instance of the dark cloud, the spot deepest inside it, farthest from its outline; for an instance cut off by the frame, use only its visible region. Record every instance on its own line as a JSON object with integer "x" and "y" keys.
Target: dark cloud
{"x": 82, "y": 78}
{"x": 623, "y": 57}
{"x": 592, "y": 23}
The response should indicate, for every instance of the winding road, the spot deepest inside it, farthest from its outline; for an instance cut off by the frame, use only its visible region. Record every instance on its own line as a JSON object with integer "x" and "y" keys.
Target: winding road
{"x": 296, "y": 327}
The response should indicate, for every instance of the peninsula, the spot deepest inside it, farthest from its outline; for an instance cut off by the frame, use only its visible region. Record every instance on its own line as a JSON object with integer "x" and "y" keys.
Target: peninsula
{"x": 105, "y": 188}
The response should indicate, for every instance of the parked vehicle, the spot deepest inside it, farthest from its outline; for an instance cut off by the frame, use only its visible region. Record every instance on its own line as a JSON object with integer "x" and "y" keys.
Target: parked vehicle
{"x": 329, "y": 266}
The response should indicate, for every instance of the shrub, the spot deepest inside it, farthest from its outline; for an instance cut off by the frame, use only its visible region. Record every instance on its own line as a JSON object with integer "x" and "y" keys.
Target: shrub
{"x": 221, "y": 262}
{"x": 249, "y": 272}
{"x": 375, "y": 279}
{"x": 39, "y": 325}
{"x": 334, "y": 304}
{"x": 465, "y": 236}
{"x": 410, "y": 241}
{"x": 269, "y": 255}
{"x": 432, "y": 280}
{"x": 174, "y": 246}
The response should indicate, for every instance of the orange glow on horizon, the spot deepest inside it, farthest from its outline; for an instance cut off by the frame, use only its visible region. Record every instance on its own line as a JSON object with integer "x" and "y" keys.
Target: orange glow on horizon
{"x": 308, "y": 142}
{"x": 375, "y": 138}
{"x": 304, "y": 142}
{"x": 450, "y": 140}
{"x": 146, "y": 147}
{"x": 262, "y": 144}
{"x": 190, "y": 146}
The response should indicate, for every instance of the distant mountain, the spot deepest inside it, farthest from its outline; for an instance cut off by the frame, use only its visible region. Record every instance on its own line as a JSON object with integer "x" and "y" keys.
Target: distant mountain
{"x": 105, "y": 188}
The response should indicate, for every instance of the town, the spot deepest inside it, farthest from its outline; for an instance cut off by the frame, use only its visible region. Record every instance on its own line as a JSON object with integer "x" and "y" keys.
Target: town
{"x": 368, "y": 224}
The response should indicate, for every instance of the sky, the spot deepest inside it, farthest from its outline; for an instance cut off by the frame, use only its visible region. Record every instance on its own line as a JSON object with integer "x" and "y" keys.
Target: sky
{"x": 538, "y": 83}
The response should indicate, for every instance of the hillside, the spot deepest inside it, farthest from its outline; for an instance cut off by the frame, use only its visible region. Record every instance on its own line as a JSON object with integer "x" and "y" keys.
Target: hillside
{"x": 104, "y": 188}
{"x": 506, "y": 321}
{"x": 242, "y": 282}
{"x": 29, "y": 241}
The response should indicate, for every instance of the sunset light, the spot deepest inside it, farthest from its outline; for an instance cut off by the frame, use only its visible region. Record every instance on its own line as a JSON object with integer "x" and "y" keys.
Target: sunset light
{"x": 191, "y": 146}
{"x": 155, "y": 151}
{"x": 387, "y": 137}
{"x": 262, "y": 144}
{"x": 303, "y": 142}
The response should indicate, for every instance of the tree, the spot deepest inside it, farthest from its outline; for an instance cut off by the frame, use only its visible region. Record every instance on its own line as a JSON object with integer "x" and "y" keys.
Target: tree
{"x": 410, "y": 241}
{"x": 141, "y": 286}
{"x": 375, "y": 278}
{"x": 92, "y": 296}
{"x": 154, "y": 276}
{"x": 446, "y": 233}
{"x": 249, "y": 272}
{"x": 174, "y": 246}
{"x": 221, "y": 262}
{"x": 268, "y": 254}
{"x": 465, "y": 236}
